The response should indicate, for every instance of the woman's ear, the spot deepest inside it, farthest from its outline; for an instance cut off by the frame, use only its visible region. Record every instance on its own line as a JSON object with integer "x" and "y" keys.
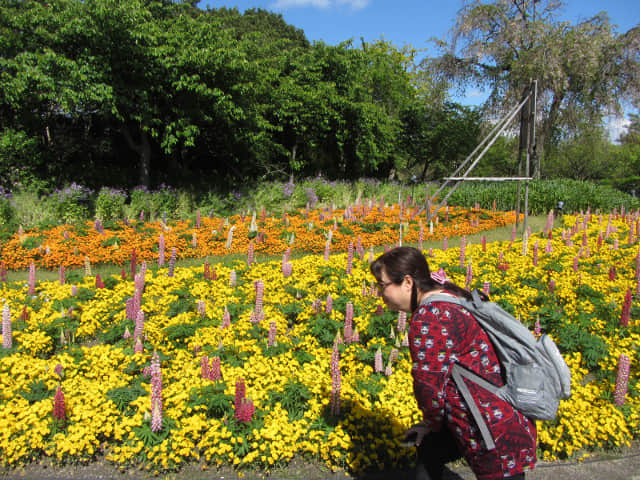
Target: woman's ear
{"x": 407, "y": 282}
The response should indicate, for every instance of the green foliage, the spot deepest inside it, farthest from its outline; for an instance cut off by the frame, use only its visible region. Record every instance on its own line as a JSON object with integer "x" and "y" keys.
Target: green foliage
{"x": 213, "y": 397}
{"x": 150, "y": 438}
{"x": 370, "y": 386}
{"x": 293, "y": 397}
{"x": 110, "y": 204}
{"x": 324, "y": 329}
{"x": 544, "y": 196}
{"x": 71, "y": 204}
{"x": 123, "y": 396}
{"x": 36, "y": 391}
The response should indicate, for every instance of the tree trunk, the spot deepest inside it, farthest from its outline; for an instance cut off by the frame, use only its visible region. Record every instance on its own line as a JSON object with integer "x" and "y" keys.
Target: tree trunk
{"x": 545, "y": 136}
{"x": 143, "y": 149}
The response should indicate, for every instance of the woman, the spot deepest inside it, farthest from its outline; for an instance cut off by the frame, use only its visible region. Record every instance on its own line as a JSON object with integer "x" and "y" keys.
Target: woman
{"x": 441, "y": 334}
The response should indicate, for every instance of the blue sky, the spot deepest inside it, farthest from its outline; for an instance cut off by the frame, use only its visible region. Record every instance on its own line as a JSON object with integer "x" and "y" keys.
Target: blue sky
{"x": 408, "y": 22}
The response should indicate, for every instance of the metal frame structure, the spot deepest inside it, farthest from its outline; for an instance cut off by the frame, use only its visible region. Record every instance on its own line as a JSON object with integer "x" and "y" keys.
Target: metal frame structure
{"x": 527, "y": 147}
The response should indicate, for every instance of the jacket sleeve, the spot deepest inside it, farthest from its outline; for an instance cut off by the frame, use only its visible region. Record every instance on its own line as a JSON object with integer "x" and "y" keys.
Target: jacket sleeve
{"x": 432, "y": 354}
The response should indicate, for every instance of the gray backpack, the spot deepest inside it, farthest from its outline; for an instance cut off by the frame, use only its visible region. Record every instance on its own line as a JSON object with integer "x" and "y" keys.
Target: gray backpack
{"x": 536, "y": 376}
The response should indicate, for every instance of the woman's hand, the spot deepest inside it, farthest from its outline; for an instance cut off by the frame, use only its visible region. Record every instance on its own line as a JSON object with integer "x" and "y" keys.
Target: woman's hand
{"x": 417, "y": 433}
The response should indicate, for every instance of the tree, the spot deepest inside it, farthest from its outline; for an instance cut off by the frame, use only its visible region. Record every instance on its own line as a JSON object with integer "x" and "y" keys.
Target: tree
{"x": 583, "y": 71}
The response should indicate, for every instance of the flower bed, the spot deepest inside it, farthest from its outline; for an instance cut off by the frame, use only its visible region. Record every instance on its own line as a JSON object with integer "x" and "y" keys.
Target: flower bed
{"x": 304, "y": 231}
{"x": 255, "y": 365}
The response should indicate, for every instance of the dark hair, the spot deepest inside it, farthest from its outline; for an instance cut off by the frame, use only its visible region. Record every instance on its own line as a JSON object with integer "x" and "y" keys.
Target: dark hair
{"x": 402, "y": 261}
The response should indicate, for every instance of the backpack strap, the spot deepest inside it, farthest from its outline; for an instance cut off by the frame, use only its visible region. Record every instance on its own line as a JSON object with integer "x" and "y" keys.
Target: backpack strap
{"x": 457, "y": 372}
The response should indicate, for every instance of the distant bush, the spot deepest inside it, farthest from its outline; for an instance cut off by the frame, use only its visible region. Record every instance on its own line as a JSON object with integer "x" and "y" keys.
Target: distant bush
{"x": 110, "y": 204}
{"x": 544, "y": 196}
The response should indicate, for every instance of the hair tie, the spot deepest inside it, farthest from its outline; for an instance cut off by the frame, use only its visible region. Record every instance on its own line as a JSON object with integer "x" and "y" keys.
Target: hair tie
{"x": 439, "y": 276}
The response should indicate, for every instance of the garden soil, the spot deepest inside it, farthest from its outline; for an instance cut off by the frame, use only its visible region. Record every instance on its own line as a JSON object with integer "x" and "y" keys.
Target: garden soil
{"x": 622, "y": 465}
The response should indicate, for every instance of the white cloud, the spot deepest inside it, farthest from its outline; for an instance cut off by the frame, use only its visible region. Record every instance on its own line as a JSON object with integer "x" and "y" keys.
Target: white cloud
{"x": 475, "y": 93}
{"x": 616, "y": 126}
{"x": 353, "y": 4}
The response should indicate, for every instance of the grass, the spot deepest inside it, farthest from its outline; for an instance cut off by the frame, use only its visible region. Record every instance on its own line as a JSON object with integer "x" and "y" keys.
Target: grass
{"x": 536, "y": 223}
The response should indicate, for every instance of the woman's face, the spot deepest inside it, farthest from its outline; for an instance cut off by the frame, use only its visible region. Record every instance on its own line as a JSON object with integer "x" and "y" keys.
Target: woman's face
{"x": 396, "y": 296}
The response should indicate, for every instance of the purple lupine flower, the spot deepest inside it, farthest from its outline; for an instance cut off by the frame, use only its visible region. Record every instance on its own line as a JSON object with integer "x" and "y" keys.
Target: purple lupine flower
{"x": 58, "y": 370}
{"x": 7, "y": 335}
{"x": 575, "y": 264}
{"x": 271, "y": 341}
{"x": 327, "y": 247}
{"x": 329, "y": 304}
{"x": 378, "y": 365}
{"x": 287, "y": 269}
{"x": 622, "y": 380}
{"x": 130, "y": 309}
{"x": 161, "y": 247}
{"x": 172, "y": 262}
{"x": 349, "y": 258}
{"x": 97, "y": 226}
{"x": 348, "y": 323}
{"x": 32, "y": 279}
{"x": 336, "y": 381}
{"x": 316, "y": 305}
{"x": 156, "y": 393}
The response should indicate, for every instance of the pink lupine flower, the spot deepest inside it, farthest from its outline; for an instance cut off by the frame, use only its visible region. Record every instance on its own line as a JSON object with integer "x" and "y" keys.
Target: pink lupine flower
{"x": 486, "y": 288}
{"x": 348, "y": 322}
{"x": 513, "y": 234}
{"x": 575, "y": 264}
{"x": 138, "y": 346}
{"x": 32, "y": 279}
{"x": 336, "y": 382}
{"x": 215, "y": 372}
{"x": 355, "y": 338}
{"x": 549, "y": 247}
{"x": 537, "y": 330}
{"x": 622, "y": 380}
{"x": 7, "y": 335}
{"x": 393, "y": 356}
{"x": 99, "y": 282}
{"x": 469, "y": 275}
{"x": 463, "y": 246}
{"x": 327, "y": 248}
{"x": 250, "y": 254}
{"x": 402, "y": 321}
{"x": 156, "y": 393}
{"x": 161, "y": 247}
{"x": 61, "y": 275}
{"x": 74, "y": 290}
{"x": 388, "y": 371}
{"x": 535, "y": 253}
{"x": 483, "y": 241}
{"x": 244, "y": 413}
{"x": 58, "y": 370}
{"x": 172, "y": 262}
{"x": 204, "y": 367}
{"x": 316, "y": 305}
{"x": 226, "y": 318}
{"x": 329, "y": 304}
{"x": 626, "y": 309}
{"x": 612, "y": 273}
{"x": 378, "y": 365}
{"x": 552, "y": 285}
{"x": 198, "y": 221}
{"x": 233, "y": 279}
{"x": 139, "y": 327}
{"x": 127, "y": 334}
{"x": 616, "y": 244}
{"x": 259, "y": 286}
{"x": 59, "y": 409}
{"x": 420, "y": 236}
{"x": 349, "y": 258}
{"x": 599, "y": 241}
{"x": 271, "y": 341}
{"x": 202, "y": 308}
{"x": 240, "y": 394}
{"x": 405, "y": 340}
{"x": 287, "y": 269}
{"x": 445, "y": 243}
{"x": 338, "y": 339}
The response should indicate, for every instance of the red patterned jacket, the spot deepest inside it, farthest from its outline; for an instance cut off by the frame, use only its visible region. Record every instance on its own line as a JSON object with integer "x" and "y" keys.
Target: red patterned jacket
{"x": 441, "y": 334}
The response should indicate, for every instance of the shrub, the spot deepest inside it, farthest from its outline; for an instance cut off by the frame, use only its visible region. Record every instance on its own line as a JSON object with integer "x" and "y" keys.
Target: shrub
{"x": 110, "y": 204}
{"x": 71, "y": 204}
{"x": 6, "y": 211}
